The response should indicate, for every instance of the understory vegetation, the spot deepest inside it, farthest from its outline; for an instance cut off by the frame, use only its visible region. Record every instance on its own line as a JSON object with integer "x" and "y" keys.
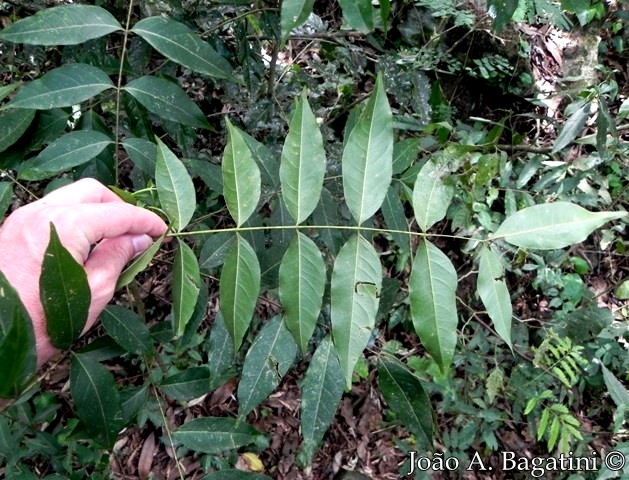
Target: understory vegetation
{"x": 398, "y": 226}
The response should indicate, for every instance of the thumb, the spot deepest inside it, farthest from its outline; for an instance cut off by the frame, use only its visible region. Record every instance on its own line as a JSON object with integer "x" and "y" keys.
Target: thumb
{"x": 105, "y": 263}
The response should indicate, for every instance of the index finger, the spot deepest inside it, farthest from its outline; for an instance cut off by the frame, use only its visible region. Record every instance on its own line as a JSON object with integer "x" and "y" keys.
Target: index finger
{"x": 86, "y": 190}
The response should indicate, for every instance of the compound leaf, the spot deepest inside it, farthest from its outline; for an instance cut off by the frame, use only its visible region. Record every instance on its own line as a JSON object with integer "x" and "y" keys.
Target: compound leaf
{"x": 181, "y": 45}
{"x": 65, "y": 86}
{"x": 241, "y": 177}
{"x": 303, "y": 162}
{"x": 269, "y": 358}
{"x": 64, "y": 292}
{"x": 432, "y": 290}
{"x": 355, "y": 291}
{"x": 174, "y": 187}
{"x": 368, "y": 157}
{"x": 302, "y": 283}
{"x": 63, "y": 25}
{"x": 552, "y": 225}
{"x": 239, "y": 288}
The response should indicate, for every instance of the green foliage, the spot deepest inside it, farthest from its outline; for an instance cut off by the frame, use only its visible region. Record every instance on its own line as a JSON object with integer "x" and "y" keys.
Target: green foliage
{"x": 318, "y": 247}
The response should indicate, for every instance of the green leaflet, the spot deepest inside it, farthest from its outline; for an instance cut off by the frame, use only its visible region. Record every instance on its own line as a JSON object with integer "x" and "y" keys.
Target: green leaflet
{"x": 127, "y": 329}
{"x": 358, "y": 14}
{"x": 368, "y": 157}
{"x": 302, "y": 283}
{"x": 395, "y": 219}
{"x": 174, "y": 187}
{"x": 96, "y": 399}
{"x": 186, "y": 286}
{"x": 354, "y": 291}
{"x": 572, "y": 128}
{"x": 431, "y": 195}
{"x": 180, "y": 44}
{"x": 268, "y": 359}
{"x": 241, "y": 177}
{"x": 63, "y": 25}
{"x": 239, "y": 288}
{"x": 220, "y": 352}
{"x": 432, "y": 290}
{"x": 166, "y": 100}
{"x": 494, "y": 294}
{"x": 17, "y": 342}
{"x": 142, "y": 153}
{"x": 6, "y": 192}
{"x": 215, "y": 435}
{"x": 69, "y": 151}
{"x": 139, "y": 264}
{"x": 552, "y": 225}
{"x": 187, "y": 385}
{"x": 294, "y": 14}
{"x": 303, "y": 162}
{"x": 13, "y": 124}
{"x": 617, "y": 391}
{"x": 321, "y": 394}
{"x": 64, "y": 292}
{"x": 407, "y": 399}
{"x": 65, "y": 86}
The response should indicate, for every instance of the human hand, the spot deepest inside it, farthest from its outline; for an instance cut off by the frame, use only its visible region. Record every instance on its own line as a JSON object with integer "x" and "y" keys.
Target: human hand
{"x": 84, "y": 213}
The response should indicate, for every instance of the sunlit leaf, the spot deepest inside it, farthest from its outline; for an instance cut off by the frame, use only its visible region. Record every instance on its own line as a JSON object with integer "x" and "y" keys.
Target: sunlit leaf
{"x": 368, "y": 157}
{"x": 406, "y": 397}
{"x": 239, "y": 288}
{"x": 268, "y": 359}
{"x": 166, "y": 100}
{"x": 96, "y": 399}
{"x": 174, "y": 187}
{"x": 241, "y": 177}
{"x": 186, "y": 285}
{"x": 62, "y": 87}
{"x": 302, "y": 283}
{"x": 552, "y": 225}
{"x": 321, "y": 394}
{"x": 181, "y": 45}
{"x": 127, "y": 329}
{"x": 69, "y": 151}
{"x": 355, "y": 291}
{"x": 215, "y": 435}
{"x": 64, "y": 292}
{"x": 303, "y": 162}
{"x": 432, "y": 289}
{"x": 62, "y": 25}
{"x": 294, "y": 14}
{"x": 431, "y": 194}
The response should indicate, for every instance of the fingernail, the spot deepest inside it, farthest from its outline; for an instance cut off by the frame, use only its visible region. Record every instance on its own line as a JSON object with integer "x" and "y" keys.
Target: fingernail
{"x": 141, "y": 243}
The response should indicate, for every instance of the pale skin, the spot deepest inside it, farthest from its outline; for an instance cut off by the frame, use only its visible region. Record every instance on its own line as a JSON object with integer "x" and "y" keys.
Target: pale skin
{"x": 100, "y": 231}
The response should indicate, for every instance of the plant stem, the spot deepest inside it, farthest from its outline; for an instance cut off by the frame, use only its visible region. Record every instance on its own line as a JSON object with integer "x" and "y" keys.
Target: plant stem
{"x": 119, "y": 91}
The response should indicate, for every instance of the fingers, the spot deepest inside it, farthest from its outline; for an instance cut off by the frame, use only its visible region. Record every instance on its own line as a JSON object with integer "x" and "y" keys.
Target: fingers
{"x": 86, "y": 190}
{"x": 104, "y": 265}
